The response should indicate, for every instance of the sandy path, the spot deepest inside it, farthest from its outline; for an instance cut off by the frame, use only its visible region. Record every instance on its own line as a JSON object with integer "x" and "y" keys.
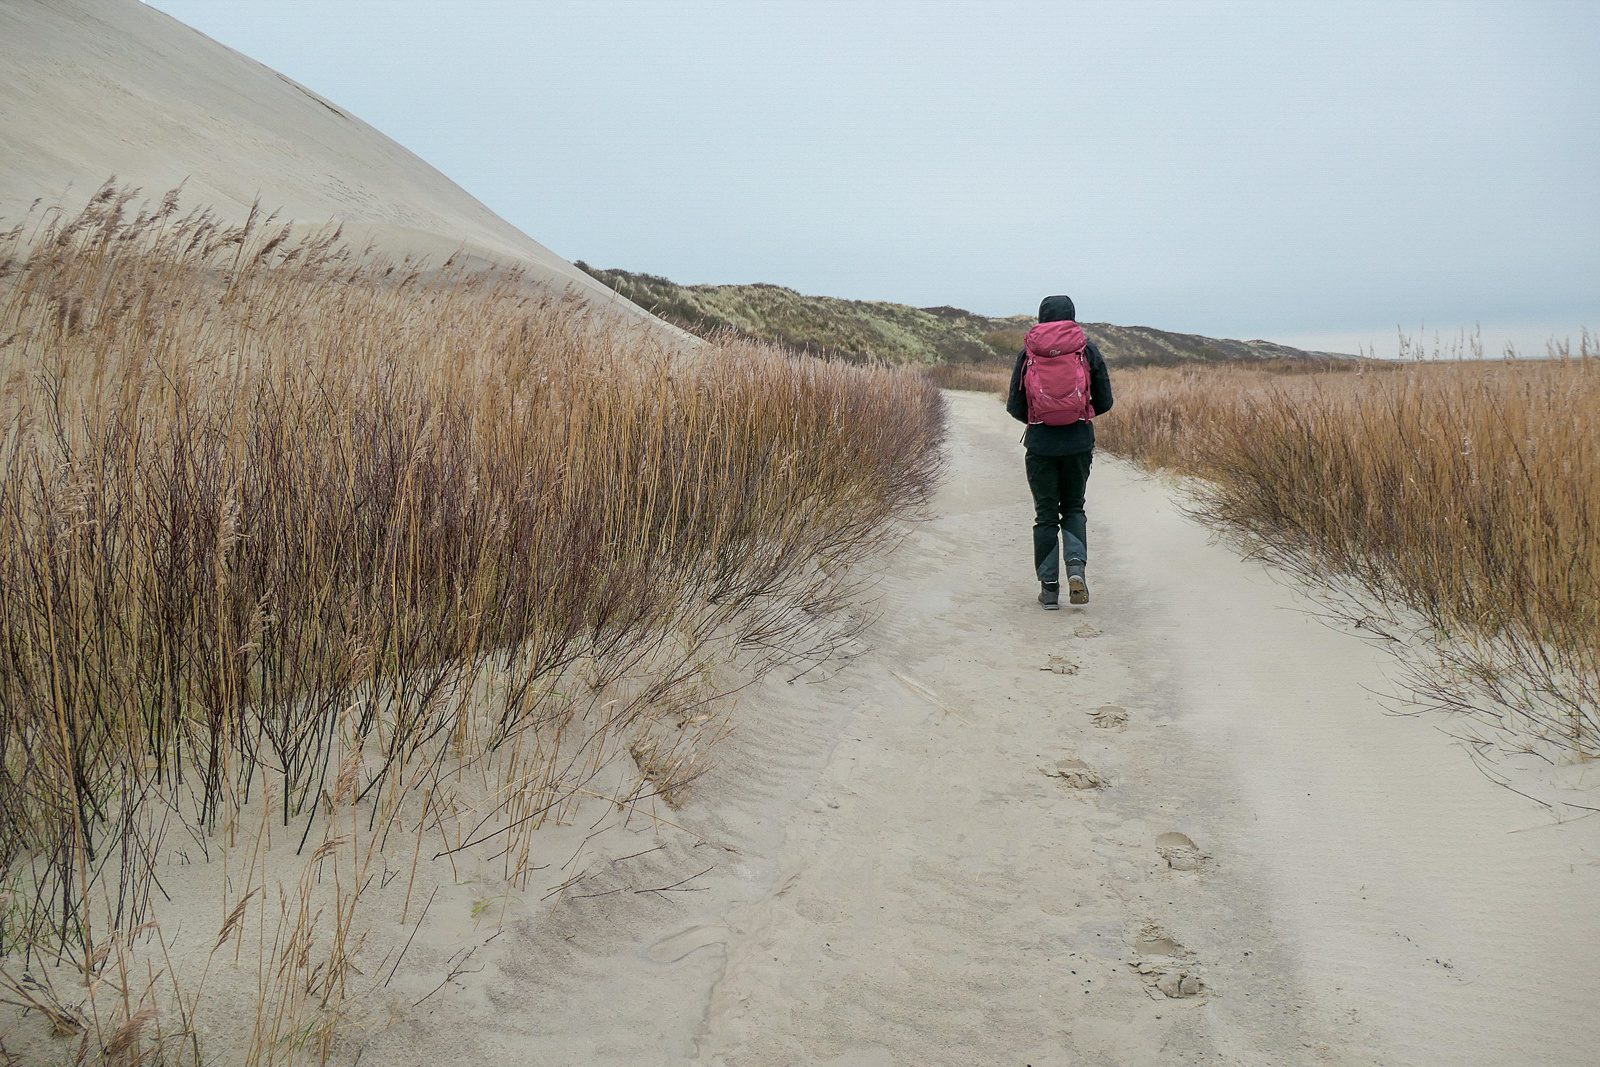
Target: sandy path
{"x": 895, "y": 879}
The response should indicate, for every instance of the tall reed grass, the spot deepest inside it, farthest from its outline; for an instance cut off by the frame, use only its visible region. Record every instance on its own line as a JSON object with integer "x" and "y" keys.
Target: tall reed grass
{"x": 991, "y": 376}
{"x": 287, "y": 530}
{"x": 1466, "y": 493}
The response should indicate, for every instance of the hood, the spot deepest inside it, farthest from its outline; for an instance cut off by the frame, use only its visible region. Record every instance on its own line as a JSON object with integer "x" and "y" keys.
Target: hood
{"x": 1056, "y": 339}
{"x": 1057, "y": 309}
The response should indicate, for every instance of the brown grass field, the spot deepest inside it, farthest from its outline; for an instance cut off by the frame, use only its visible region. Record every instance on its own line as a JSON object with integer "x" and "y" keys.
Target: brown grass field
{"x": 1458, "y": 500}
{"x": 291, "y": 537}
{"x": 988, "y": 377}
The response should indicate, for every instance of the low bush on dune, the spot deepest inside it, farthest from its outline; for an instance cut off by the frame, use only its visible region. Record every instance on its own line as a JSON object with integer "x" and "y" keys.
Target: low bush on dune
{"x": 291, "y": 537}
{"x": 1466, "y": 493}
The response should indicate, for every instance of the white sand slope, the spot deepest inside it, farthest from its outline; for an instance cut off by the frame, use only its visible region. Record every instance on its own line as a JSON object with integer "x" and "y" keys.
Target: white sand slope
{"x": 95, "y": 88}
{"x": 1176, "y": 827}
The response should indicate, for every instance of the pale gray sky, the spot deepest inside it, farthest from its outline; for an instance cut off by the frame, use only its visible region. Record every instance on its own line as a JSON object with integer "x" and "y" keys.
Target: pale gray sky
{"x": 1313, "y": 172}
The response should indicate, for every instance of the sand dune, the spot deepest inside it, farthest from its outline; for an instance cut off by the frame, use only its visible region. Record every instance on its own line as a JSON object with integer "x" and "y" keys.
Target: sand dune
{"x": 96, "y": 88}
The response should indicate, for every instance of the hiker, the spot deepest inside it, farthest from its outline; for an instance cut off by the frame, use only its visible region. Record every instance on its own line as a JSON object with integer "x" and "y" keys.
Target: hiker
{"x": 1059, "y": 385}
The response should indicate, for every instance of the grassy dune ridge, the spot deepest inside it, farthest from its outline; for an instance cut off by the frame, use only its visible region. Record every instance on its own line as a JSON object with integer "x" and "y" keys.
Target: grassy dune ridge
{"x": 1464, "y": 493}
{"x": 885, "y": 332}
{"x": 293, "y": 537}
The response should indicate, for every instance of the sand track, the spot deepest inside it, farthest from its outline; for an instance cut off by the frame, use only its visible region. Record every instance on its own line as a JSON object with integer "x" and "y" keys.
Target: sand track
{"x": 1267, "y": 869}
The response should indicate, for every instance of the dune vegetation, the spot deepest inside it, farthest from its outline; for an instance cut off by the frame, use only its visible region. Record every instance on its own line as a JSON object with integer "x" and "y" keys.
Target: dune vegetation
{"x": 992, "y": 377}
{"x": 1453, "y": 504}
{"x": 310, "y": 561}
{"x": 884, "y": 332}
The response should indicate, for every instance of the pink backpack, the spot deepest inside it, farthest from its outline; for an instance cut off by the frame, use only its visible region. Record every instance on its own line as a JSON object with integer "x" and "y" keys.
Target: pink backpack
{"x": 1055, "y": 377}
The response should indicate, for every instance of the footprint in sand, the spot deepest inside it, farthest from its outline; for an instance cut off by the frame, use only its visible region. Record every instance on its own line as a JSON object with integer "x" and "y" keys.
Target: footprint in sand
{"x": 1110, "y": 716}
{"x": 1077, "y": 774}
{"x": 676, "y": 946}
{"x": 1084, "y": 630}
{"x": 1165, "y": 965}
{"x": 1180, "y": 851}
{"x": 1058, "y": 664}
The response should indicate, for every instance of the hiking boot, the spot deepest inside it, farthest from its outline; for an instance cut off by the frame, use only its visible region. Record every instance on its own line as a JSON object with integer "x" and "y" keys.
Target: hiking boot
{"x": 1077, "y": 587}
{"x": 1050, "y": 596}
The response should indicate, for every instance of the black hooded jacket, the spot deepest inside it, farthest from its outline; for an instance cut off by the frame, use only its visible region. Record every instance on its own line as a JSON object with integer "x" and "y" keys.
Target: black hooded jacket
{"x": 1061, "y": 440}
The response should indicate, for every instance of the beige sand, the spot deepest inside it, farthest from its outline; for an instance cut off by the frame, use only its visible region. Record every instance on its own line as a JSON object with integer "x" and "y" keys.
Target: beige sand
{"x": 99, "y": 88}
{"x": 1177, "y": 826}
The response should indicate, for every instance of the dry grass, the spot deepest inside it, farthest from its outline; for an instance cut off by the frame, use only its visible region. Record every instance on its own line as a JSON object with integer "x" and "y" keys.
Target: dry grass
{"x": 294, "y": 542}
{"x": 988, "y": 377}
{"x": 1466, "y": 493}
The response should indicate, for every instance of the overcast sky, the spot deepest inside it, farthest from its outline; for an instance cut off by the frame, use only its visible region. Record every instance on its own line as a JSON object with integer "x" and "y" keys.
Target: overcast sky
{"x": 1315, "y": 172}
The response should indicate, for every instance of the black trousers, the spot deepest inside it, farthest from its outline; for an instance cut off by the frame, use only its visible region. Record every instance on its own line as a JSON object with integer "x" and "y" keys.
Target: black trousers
{"x": 1059, "y": 525}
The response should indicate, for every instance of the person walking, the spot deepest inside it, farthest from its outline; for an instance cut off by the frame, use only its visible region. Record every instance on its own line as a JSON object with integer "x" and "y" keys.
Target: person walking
{"x": 1059, "y": 385}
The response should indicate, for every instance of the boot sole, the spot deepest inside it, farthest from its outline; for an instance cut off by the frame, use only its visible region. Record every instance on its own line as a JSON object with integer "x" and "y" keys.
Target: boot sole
{"x": 1077, "y": 590}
